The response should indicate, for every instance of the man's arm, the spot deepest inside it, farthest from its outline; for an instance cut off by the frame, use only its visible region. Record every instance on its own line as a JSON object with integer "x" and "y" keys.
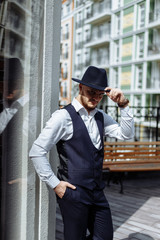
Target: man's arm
{"x": 55, "y": 129}
{"x": 124, "y": 130}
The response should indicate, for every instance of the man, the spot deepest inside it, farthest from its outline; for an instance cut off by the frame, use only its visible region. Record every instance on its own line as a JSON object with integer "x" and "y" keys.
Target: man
{"x": 13, "y": 96}
{"x": 15, "y": 103}
{"x": 78, "y": 131}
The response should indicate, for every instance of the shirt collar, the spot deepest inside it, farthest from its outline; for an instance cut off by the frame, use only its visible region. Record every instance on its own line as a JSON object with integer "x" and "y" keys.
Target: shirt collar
{"x": 79, "y": 108}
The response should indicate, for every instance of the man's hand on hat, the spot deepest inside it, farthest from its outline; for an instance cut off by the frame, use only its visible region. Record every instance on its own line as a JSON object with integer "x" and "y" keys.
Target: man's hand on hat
{"x": 117, "y": 96}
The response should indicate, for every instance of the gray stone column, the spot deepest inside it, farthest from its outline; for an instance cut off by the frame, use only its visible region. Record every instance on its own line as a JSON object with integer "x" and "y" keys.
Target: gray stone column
{"x": 50, "y": 96}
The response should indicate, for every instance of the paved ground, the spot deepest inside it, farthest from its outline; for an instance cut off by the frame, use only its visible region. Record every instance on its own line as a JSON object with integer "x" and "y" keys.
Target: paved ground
{"x": 136, "y": 213}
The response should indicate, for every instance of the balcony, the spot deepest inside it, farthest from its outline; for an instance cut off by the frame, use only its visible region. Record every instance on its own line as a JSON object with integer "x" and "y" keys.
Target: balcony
{"x": 154, "y": 18}
{"x": 153, "y": 49}
{"x": 153, "y": 84}
{"x": 101, "y": 16}
{"x": 99, "y": 40}
{"x": 14, "y": 45}
{"x": 79, "y": 45}
{"x": 79, "y": 24}
{"x": 102, "y": 63}
{"x": 78, "y": 67}
{"x": 79, "y": 3}
{"x": 86, "y": 63}
{"x": 16, "y": 23}
{"x": 147, "y": 120}
{"x": 153, "y": 52}
{"x": 101, "y": 11}
{"x": 21, "y": 4}
{"x": 16, "y": 20}
{"x": 100, "y": 57}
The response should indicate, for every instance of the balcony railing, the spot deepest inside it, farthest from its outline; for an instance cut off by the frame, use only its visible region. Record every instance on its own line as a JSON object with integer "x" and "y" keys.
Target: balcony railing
{"x": 79, "y": 24}
{"x": 99, "y": 61}
{"x": 154, "y": 16}
{"x": 79, "y": 67}
{"x": 79, "y": 45}
{"x": 98, "y": 9}
{"x": 100, "y": 35}
{"x": 153, "y": 49}
{"x": 153, "y": 83}
{"x": 147, "y": 121}
{"x": 80, "y": 2}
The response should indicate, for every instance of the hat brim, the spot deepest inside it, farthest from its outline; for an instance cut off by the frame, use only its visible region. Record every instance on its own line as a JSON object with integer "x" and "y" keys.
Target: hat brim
{"x": 89, "y": 85}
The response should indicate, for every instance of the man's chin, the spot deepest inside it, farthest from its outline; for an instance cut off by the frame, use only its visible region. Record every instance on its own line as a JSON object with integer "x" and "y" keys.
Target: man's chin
{"x": 92, "y": 106}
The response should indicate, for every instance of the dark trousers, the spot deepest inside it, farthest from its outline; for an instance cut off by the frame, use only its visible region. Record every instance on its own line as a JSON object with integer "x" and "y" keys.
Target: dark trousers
{"x": 88, "y": 211}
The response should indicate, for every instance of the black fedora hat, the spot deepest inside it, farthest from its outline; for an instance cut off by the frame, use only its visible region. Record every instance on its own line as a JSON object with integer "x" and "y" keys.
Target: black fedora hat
{"x": 14, "y": 74}
{"x": 94, "y": 77}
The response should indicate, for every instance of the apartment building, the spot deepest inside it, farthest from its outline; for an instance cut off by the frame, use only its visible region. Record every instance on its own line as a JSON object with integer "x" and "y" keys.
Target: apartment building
{"x": 67, "y": 27}
{"x": 135, "y": 54}
{"x": 122, "y": 37}
{"x": 13, "y": 27}
{"x": 12, "y": 31}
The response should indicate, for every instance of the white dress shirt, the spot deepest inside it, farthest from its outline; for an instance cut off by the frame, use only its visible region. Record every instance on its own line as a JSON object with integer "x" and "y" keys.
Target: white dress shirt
{"x": 59, "y": 127}
{"x": 8, "y": 112}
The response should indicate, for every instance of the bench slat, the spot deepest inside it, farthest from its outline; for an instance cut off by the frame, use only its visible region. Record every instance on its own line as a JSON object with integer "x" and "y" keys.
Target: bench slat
{"x": 126, "y": 162}
{"x": 157, "y": 143}
{"x": 126, "y": 156}
{"x": 135, "y": 167}
{"x": 131, "y": 153}
{"x": 130, "y": 148}
{"x": 132, "y": 157}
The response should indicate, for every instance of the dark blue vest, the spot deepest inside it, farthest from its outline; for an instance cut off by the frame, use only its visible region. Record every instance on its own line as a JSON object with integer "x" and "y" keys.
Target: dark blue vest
{"x": 80, "y": 161}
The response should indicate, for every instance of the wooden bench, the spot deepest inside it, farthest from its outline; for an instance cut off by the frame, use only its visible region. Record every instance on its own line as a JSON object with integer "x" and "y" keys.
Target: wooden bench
{"x": 131, "y": 156}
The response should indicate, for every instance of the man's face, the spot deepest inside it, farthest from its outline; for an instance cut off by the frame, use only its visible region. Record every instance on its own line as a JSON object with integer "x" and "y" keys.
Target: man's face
{"x": 90, "y": 97}
{"x": 13, "y": 96}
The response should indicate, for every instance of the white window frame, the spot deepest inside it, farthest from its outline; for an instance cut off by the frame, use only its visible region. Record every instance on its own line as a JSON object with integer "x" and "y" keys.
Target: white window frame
{"x": 116, "y": 54}
{"x": 139, "y": 77}
{"x": 117, "y": 24}
{"x": 115, "y": 77}
{"x": 141, "y": 15}
{"x": 140, "y": 46}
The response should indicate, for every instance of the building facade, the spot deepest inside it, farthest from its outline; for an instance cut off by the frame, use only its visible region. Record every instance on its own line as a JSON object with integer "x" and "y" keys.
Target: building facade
{"x": 135, "y": 56}
{"x": 122, "y": 37}
{"x": 67, "y": 26}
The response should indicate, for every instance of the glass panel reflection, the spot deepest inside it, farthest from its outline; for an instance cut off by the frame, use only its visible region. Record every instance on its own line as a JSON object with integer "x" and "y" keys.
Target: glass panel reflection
{"x": 21, "y": 44}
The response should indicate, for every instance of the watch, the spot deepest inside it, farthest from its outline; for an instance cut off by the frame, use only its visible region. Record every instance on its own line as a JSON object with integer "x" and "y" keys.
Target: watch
{"x": 124, "y": 103}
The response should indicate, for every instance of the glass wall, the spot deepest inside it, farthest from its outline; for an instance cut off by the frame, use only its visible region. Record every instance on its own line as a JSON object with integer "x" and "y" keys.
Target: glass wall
{"x": 24, "y": 71}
